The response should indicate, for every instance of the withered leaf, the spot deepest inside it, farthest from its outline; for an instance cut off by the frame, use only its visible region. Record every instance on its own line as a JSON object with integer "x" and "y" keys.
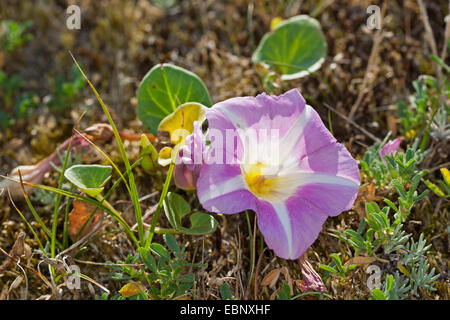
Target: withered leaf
{"x": 79, "y": 215}
{"x": 271, "y": 278}
{"x": 16, "y": 252}
{"x": 311, "y": 279}
{"x": 359, "y": 260}
{"x": 131, "y": 289}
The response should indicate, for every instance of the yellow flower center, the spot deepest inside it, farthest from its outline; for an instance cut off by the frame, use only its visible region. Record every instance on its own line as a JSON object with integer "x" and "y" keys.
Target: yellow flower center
{"x": 259, "y": 184}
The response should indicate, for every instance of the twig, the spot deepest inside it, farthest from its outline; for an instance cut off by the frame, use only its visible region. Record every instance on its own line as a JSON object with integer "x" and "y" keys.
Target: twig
{"x": 370, "y": 66}
{"x": 371, "y": 136}
{"x": 257, "y": 272}
{"x": 446, "y": 35}
{"x": 430, "y": 37}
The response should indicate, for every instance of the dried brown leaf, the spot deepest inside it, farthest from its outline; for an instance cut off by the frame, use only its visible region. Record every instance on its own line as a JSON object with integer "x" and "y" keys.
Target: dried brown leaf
{"x": 271, "y": 278}
{"x": 359, "y": 260}
{"x": 15, "y": 253}
{"x": 79, "y": 215}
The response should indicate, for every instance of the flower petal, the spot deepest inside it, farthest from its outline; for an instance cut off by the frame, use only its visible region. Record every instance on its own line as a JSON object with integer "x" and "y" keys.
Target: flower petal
{"x": 265, "y": 110}
{"x": 289, "y": 228}
{"x": 221, "y": 189}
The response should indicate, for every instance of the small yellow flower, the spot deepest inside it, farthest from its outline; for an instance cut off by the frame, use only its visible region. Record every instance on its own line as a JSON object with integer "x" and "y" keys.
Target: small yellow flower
{"x": 411, "y": 134}
{"x": 446, "y": 174}
{"x": 275, "y": 21}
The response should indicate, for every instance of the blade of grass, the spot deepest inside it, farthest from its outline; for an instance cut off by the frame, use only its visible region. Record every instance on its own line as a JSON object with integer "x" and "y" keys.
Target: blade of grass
{"x": 106, "y": 157}
{"x": 58, "y": 200}
{"x": 66, "y": 222}
{"x": 83, "y": 198}
{"x": 133, "y": 191}
{"x": 33, "y": 211}
{"x": 160, "y": 204}
{"x": 27, "y": 223}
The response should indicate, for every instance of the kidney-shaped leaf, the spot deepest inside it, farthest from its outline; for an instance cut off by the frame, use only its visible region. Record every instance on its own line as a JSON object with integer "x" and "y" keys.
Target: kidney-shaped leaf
{"x": 175, "y": 208}
{"x": 89, "y": 178}
{"x": 201, "y": 223}
{"x": 294, "y": 48}
{"x": 163, "y": 89}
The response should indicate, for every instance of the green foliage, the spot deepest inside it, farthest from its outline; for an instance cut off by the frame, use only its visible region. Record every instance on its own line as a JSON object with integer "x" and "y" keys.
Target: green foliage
{"x": 19, "y": 103}
{"x": 394, "y": 288}
{"x": 163, "y": 271}
{"x": 163, "y": 89}
{"x": 65, "y": 92}
{"x": 336, "y": 267}
{"x": 164, "y": 4}
{"x": 415, "y": 274}
{"x": 89, "y": 178}
{"x": 427, "y": 113}
{"x": 175, "y": 208}
{"x": 377, "y": 232}
{"x": 284, "y": 293}
{"x": 15, "y": 104}
{"x": 149, "y": 155}
{"x": 294, "y": 49}
{"x": 380, "y": 231}
{"x": 13, "y": 36}
{"x": 401, "y": 166}
{"x": 225, "y": 292}
{"x": 442, "y": 188}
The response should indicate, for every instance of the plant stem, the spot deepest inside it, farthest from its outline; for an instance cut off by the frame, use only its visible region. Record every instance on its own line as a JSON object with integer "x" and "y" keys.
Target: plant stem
{"x": 160, "y": 204}
{"x": 65, "y": 243}
{"x": 58, "y": 200}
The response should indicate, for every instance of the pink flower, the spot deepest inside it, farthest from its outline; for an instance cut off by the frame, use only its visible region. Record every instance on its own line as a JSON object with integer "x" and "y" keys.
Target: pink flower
{"x": 293, "y": 177}
{"x": 190, "y": 159}
{"x": 311, "y": 279}
{"x": 390, "y": 148}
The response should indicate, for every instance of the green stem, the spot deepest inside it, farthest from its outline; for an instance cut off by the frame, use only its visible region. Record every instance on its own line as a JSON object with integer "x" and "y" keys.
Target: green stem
{"x": 65, "y": 243}
{"x": 160, "y": 204}
{"x": 424, "y": 142}
{"x": 164, "y": 230}
{"x": 58, "y": 200}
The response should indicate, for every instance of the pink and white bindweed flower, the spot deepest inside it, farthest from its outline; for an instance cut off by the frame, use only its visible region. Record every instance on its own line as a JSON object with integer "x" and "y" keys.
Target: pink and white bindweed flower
{"x": 390, "y": 148}
{"x": 190, "y": 159}
{"x": 291, "y": 171}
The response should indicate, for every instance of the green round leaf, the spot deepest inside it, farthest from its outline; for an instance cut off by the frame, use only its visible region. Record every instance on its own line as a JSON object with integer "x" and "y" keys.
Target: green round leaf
{"x": 89, "y": 178}
{"x": 294, "y": 49}
{"x": 175, "y": 208}
{"x": 201, "y": 223}
{"x": 163, "y": 89}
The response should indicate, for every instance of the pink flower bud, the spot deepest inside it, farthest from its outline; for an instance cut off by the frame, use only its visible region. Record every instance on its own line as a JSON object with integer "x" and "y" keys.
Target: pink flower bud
{"x": 390, "y": 148}
{"x": 189, "y": 160}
